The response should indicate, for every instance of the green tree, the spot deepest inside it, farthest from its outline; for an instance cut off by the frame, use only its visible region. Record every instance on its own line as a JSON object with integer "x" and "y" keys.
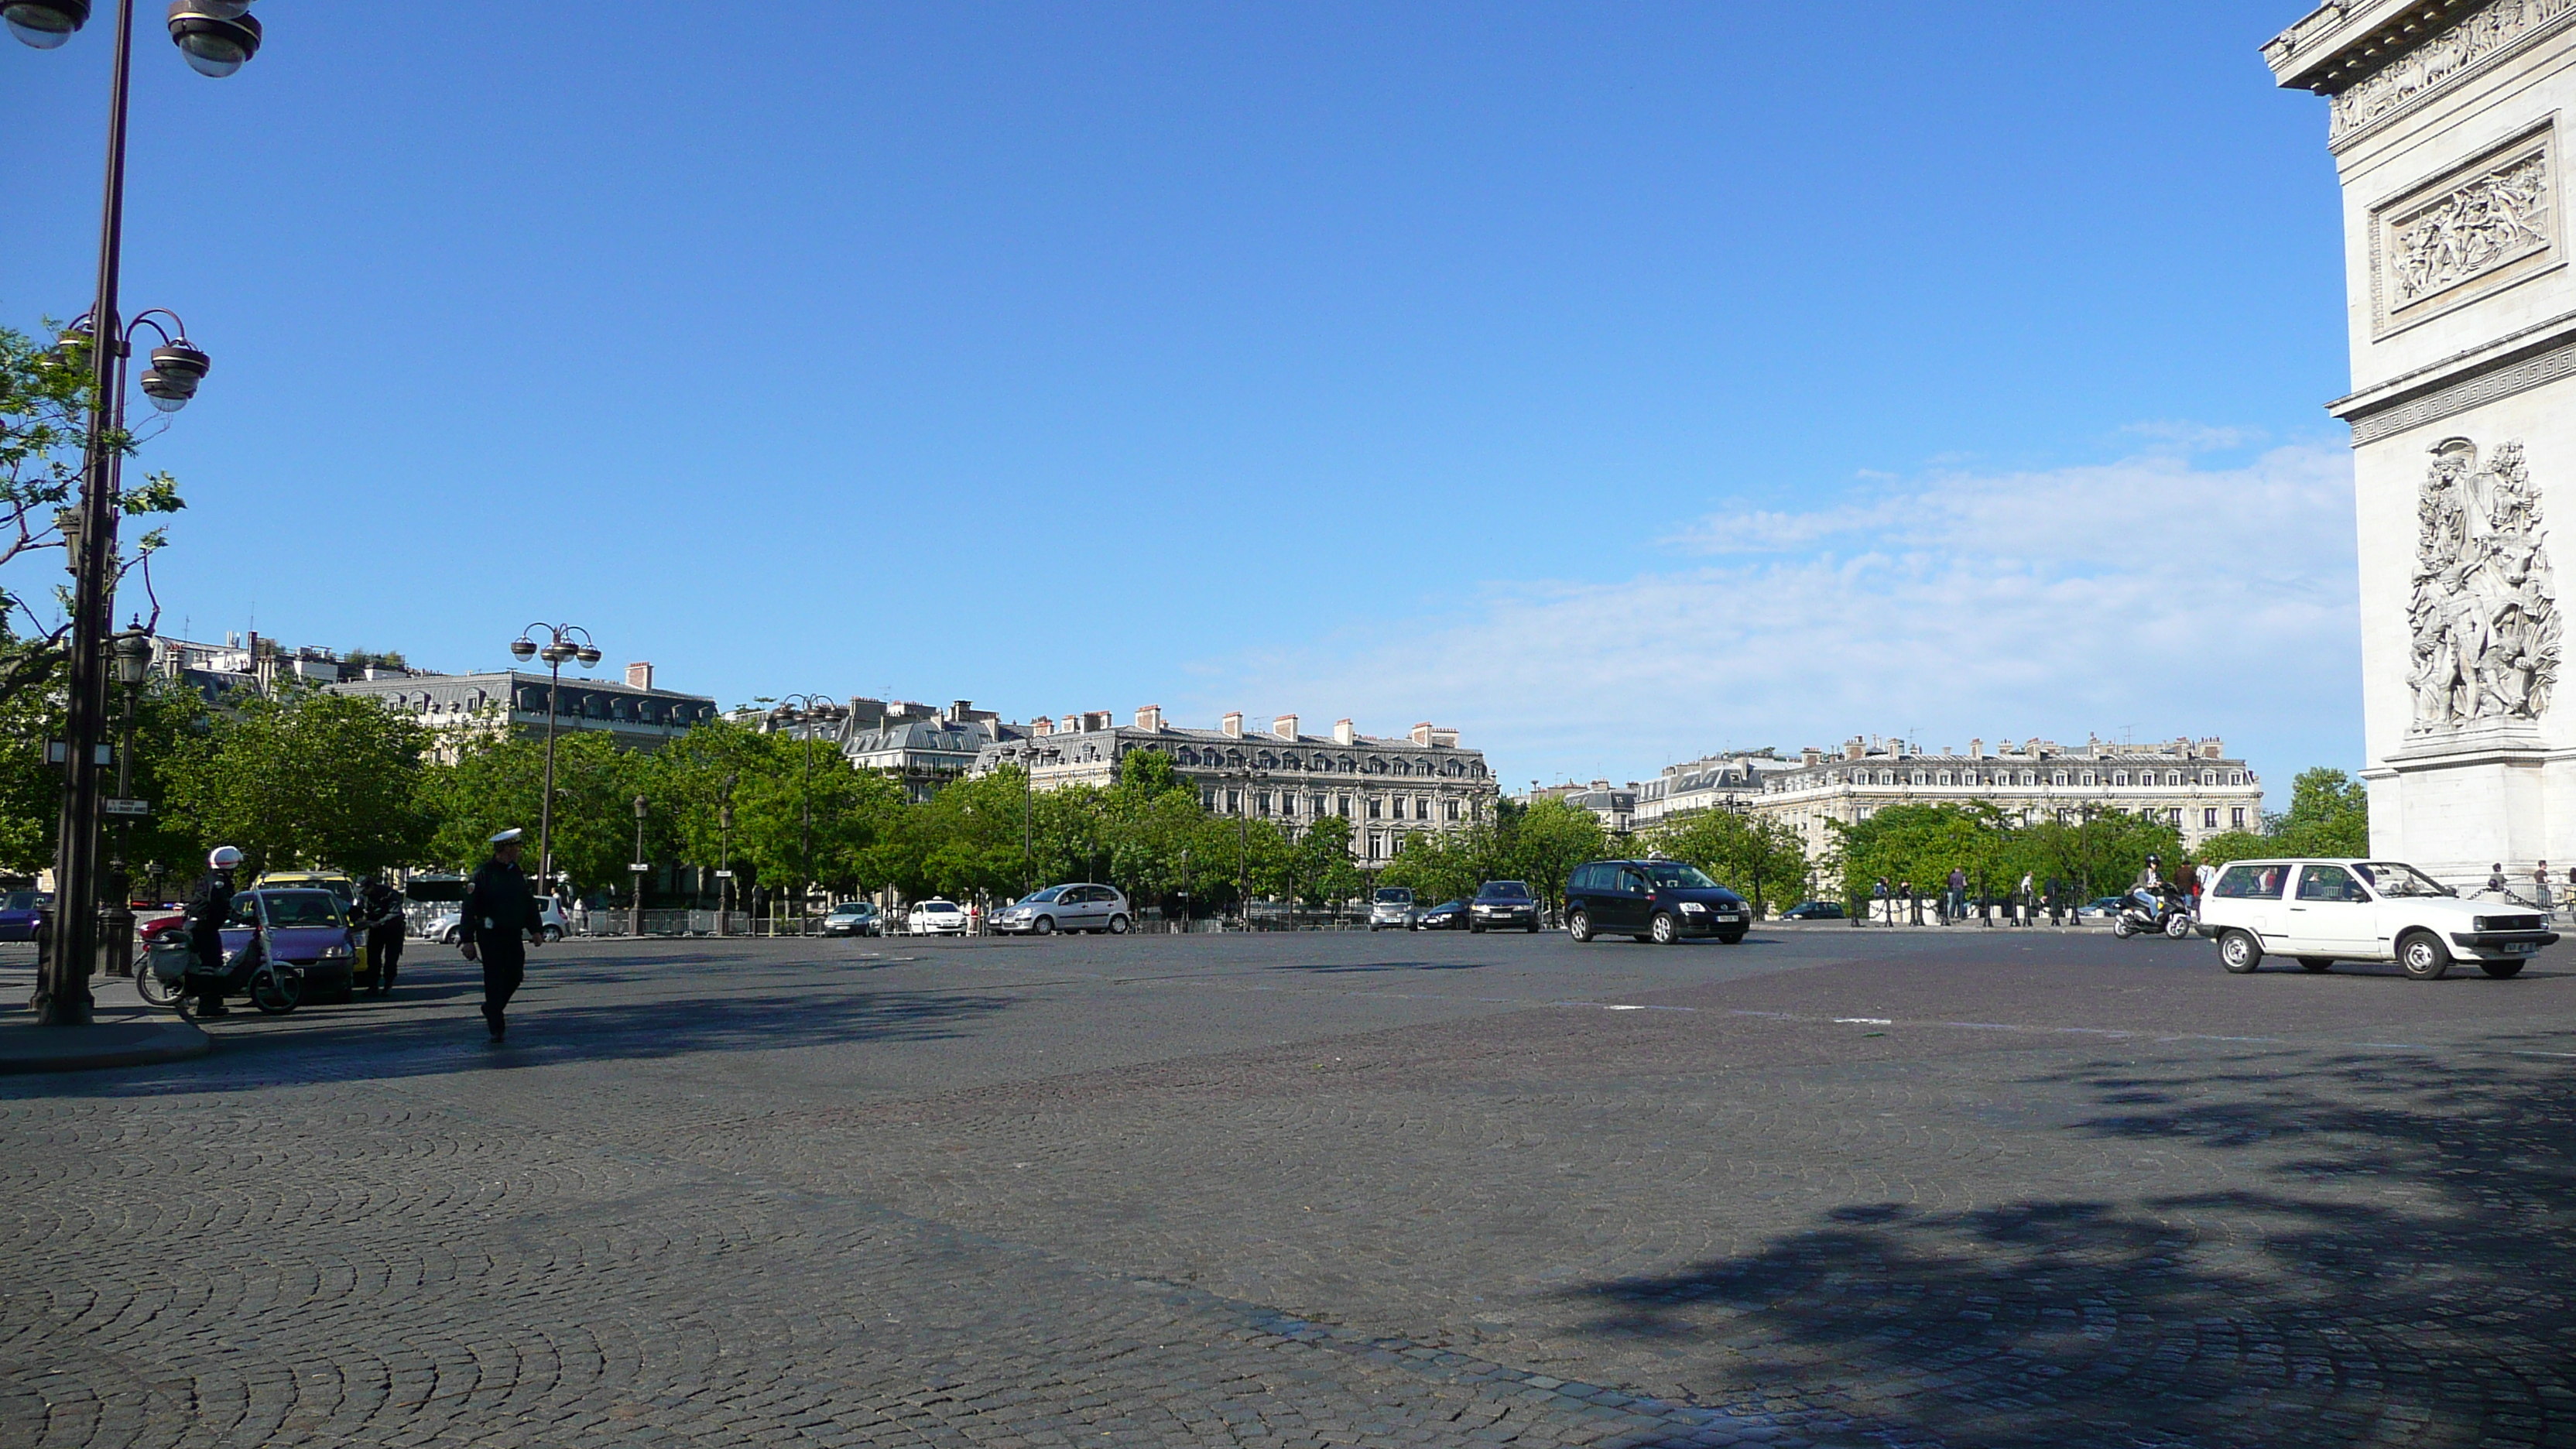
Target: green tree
{"x": 1756, "y": 856}
{"x": 45, "y": 396}
{"x": 964, "y": 842}
{"x": 2329, "y": 815}
{"x": 1545, "y": 842}
{"x": 811, "y": 816}
{"x": 310, "y": 780}
{"x": 497, "y": 782}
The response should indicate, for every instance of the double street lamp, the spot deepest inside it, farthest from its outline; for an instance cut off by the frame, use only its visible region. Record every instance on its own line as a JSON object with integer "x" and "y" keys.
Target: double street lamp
{"x": 559, "y": 646}
{"x": 805, "y": 711}
{"x": 216, "y": 37}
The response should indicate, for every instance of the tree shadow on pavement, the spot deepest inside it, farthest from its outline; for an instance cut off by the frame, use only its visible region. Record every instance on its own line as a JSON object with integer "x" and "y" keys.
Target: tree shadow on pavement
{"x": 377, "y": 1044}
{"x": 2389, "y": 1264}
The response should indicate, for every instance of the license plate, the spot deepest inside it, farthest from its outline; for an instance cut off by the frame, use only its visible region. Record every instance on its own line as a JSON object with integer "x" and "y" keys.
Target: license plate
{"x": 2521, "y": 948}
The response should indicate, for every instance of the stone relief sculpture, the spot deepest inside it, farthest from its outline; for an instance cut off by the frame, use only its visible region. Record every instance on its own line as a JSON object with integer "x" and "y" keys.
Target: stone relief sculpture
{"x": 2440, "y": 58}
{"x": 2484, "y": 612}
{"x": 2501, "y": 215}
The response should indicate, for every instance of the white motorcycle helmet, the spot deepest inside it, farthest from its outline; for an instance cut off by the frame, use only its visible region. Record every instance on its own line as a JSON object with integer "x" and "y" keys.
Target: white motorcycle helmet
{"x": 223, "y": 857}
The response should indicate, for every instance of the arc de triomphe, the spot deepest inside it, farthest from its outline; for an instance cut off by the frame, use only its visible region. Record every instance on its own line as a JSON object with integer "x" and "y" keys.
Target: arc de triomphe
{"x": 2443, "y": 119}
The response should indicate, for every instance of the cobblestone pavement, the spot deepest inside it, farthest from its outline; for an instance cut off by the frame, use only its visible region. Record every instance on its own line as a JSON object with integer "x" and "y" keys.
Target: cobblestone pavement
{"x": 1839, "y": 1187}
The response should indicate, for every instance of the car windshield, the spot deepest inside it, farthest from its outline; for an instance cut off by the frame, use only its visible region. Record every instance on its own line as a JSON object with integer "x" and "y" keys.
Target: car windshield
{"x": 1504, "y": 890}
{"x": 939, "y": 908}
{"x": 2395, "y": 878}
{"x": 1674, "y": 874}
{"x": 18, "y": 901}
{"x": 301, "y": 908}
{"x": 851, "y": 908}
{"x": 1040, "y": 898}
{"x": 1395, "y": 896}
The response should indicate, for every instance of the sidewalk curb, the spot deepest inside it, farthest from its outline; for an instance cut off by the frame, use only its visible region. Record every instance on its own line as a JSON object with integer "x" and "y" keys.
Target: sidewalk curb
{"x": 27, "y": 1047}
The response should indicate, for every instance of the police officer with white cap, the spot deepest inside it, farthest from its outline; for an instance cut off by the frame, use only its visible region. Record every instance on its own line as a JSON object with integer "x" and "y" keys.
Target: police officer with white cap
{"x": 501, "y": 918}
{"x": 209, "y": 905}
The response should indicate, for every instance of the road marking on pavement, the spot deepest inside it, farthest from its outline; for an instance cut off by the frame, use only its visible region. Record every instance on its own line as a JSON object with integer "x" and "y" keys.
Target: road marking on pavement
{"x": 1863, "y": 1021}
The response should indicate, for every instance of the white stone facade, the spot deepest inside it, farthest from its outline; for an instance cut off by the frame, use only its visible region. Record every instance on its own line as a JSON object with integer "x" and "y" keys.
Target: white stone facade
{"x": 2190, "y": 784}
{"x": 1387, "y": 788}
{"x": 2445, "y": 121}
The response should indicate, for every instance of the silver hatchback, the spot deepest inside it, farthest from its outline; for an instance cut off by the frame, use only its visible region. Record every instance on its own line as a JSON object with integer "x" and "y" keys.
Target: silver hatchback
{"x": 1077, "y": 907}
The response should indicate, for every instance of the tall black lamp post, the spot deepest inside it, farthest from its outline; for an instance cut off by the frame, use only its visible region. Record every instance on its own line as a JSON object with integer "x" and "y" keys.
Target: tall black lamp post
{"x": 724, "y": 873}
{"x": 559, "y": 646}
{"x": 637, "y": 870}
{"x": 216, "y": 37}
{"x": 806, "y": 711}
{"x": 132, "y": 654}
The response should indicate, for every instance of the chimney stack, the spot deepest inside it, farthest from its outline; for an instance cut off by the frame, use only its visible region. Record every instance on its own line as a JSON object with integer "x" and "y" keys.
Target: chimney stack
{"x": 1343, "y": 734}
{"x": 1285, "y": 727}
{"x": 639, "y": 675}
{"x": 1041, "y": 727}
{"x": 1232, "y": 724}
{"x": 1150, "y": 718}
{"x": 1422, "y": 733}
{"x": 1976, "y": 749}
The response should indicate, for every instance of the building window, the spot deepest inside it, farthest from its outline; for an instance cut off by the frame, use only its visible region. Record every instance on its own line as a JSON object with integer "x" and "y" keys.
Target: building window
{"x": 1234, "y": 802}
{"x": 2028, "y": 778}
{"x": 2088, "y": 777}
{"x": 2209, "y": 818}
{"x": 1373, "y": 814}
{"x": 1345, "y": 804}
{"x": 1207, "y": 800}
{"x": 2173, "y": 816}
{"x": 2236, "y": 817}
{"x": 1261, "y": 802}
{"x": 1946, "y": 777}
{"x": 2119, "y": 777}
{"x": 2173, "y": 779}
{"x": 1453, "y": 809}
{"x": 2236, "y": 777}
{"x": 1917, "y": 778}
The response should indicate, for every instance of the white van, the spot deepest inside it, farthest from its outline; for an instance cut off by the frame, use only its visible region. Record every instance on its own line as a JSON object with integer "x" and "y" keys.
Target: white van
{"x": 2319, "y": 912}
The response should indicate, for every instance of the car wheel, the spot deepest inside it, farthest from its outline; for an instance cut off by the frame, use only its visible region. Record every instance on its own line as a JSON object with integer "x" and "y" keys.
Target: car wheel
{"x": 1578, "y": 924}
{"x": 2501, "y": 970}
{"x": 2239, "y": 952}
{"x": 1730, "y": 938}
{"x": 2422, "y": 956}
{"x": 2123, "y": 927}
{"x": 1045, "y": 926}
{"x": 2316, "y": 963}
{"x": 554, "y": 933}
{"x": 1118, "y": 925}
{"x": 1531, "y": 928}
{"x": 1475, "y": 930}
{"x": 452, "y": 937}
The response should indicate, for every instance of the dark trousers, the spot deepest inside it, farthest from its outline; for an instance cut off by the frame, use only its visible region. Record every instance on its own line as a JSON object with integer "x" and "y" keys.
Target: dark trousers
{"x": 384, "y": 953}
{"x": 505, "y": 965}
{"x": 209, "y": 982}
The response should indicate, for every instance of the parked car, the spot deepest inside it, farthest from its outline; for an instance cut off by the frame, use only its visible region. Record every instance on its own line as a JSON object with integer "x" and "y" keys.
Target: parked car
{"x": 307, "y": 928}
{"x": 1446, "y": 916}
{"x": 448, "y": 927}
{"x": 935, "y": 917}
{"x": 1661, "y": 901}
{"x": 1391, "y": 908}
{"x": 152, "y": 930}
{"x": 1815, "y": 911}
{"x": 853, "y": 918}
{"x": 2323, "y": 911}
{"x": 1079, "y": 906}
{"x": 18, "y": 913}
{"x": 1501, "y": 904}
{"x": 2099, "y": 909}
{"x": 327, "y": 880}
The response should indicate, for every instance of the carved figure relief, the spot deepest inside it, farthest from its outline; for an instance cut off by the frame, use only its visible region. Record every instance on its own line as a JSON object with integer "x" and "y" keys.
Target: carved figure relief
{"x": 2490, "y": 221}
{"x": 2484, "y": 612}
{"x": 2440, "y": 58}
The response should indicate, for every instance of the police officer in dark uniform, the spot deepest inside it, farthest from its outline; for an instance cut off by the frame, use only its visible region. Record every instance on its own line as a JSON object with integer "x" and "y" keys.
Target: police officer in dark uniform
{"x": 208, "y": 906}
{"x": 500, "y": 919}
{"x": 380, "y": 910}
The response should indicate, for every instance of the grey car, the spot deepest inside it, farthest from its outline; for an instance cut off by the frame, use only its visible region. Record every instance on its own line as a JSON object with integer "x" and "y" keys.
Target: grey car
{"x": 1080, "y": 906}
{"x": 1392, "y": 908}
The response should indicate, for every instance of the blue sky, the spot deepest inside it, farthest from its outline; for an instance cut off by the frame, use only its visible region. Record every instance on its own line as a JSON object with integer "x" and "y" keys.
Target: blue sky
{"x": 1613, "y": 383}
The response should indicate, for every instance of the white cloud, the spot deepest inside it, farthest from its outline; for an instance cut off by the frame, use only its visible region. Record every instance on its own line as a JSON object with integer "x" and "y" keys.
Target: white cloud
{"x": 2196, "y": 437}
{"x": 2145, "y": 593}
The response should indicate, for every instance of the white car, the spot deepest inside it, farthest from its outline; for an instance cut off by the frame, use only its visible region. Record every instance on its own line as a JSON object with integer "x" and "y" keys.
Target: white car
{"x": 2319, "y": 912}
{"x": 448, "y": 927}
{"x": 935, "y": 917}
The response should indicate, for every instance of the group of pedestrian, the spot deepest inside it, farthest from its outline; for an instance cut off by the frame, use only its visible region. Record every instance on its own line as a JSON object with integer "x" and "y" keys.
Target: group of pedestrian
{"x": 2541, "y": 886}
{"x": 501, "y": 920}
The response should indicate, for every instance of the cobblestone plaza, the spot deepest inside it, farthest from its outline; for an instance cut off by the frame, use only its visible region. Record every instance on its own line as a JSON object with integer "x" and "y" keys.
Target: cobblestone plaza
{"x": 1833, "y": 1186}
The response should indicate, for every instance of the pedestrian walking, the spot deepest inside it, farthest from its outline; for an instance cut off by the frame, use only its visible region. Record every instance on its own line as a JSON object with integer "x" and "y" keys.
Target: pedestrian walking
{"x": 2540, "y": 887}
{"x": 208, "y": 907}
{"x": 1885, "y": 903}
{"x": 1958, "y": 905}
{"x": 2056, "y": 901}
{"x": 1913, "y": 905}
{"x": 2029, "y": 900}
{"x": 501, "y": 920}
{"x": 380, "y": 912}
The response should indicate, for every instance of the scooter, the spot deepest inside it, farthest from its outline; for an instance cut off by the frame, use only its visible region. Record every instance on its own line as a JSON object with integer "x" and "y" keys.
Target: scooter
{"x": 2165, "y": 912}
{"x": 172, "y": 977}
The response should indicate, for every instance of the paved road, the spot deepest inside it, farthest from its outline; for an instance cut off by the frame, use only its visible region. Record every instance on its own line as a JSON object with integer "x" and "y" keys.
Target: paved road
{"x": 1967, "y": 1189}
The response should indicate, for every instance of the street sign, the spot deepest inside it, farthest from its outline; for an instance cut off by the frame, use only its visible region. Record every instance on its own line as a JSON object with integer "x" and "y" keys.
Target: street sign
{"x": 114, "y": 806}
{"x": 724, "y": 875}
{"x": 57, "y": 752}
{"x": 639, "y": 865}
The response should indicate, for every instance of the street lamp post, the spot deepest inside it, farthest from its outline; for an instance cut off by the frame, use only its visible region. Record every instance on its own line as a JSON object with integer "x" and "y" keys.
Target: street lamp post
{"x": 216, "y": 38}
{"x": 559, "y": 646}
{"x": 132, "y": 652}
{"x": 724, "y": 875}
{"x": 637, "y": 870}
{"x": 807, "y": 710}
{"x": 1028, "y": 806}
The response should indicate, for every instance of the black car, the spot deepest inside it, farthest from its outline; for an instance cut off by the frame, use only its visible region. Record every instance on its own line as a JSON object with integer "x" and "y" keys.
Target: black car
{"x": 1446, "y": 916}
{"x": 1814, "y": 911}
{"x": 1653, "y": 900}
{"x": 1501, "y": 904}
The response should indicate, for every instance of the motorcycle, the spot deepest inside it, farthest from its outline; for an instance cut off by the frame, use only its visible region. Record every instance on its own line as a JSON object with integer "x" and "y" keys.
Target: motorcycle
{"x": 173, "y": 978}
{"x": 2165, "y": 912}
